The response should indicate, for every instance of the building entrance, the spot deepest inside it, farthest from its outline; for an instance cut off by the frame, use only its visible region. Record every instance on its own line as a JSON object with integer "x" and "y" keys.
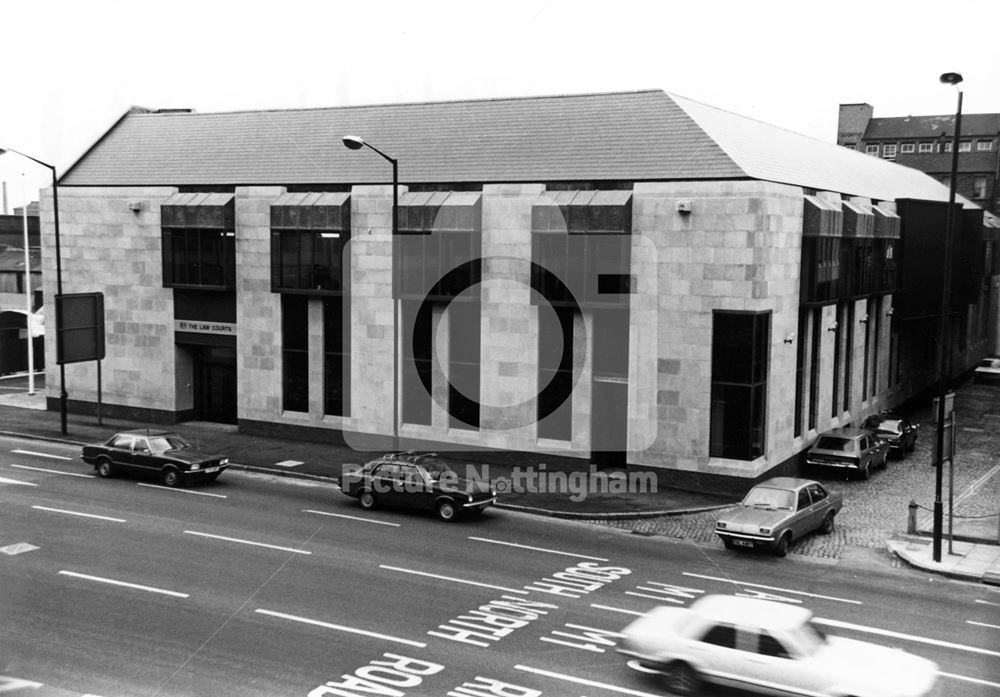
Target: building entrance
{"x": 215, "y": 384}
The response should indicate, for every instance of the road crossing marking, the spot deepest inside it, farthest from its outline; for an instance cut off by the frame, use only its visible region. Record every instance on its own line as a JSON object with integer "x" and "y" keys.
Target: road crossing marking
{"x": 125, "y": 584}
{"x": 584, "y": 681}
{"x": 42, "y": 469}
{"x": 37, "y": 454}
{"x": 4, "y": 480}
{"x": 900, "y": 635}
{"x": 341, "y": 628}
{"x": 538, "y": 549}
{"x": 452, "y": 579}
{"x": 774, "y": 588}
{"x": 351, "y": 517}
{"x": 182, "y": 491}
{"x": 246, "y": 542}
{"x": 82, "y": 515}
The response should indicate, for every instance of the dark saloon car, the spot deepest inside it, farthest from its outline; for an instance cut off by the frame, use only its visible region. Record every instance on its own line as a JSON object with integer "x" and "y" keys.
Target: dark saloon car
{"x": 897, "y": 431}
{"x": 855, "y": 450}
{"x": 161, "y": 454}
{"x": 420, "y": 481}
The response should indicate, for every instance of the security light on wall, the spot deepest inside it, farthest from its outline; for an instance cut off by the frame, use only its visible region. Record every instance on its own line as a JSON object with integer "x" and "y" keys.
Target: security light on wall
{"x": 864, "y": 319}
{"x": 683, "y": 207}
{"x": 832, "y": 327}
{"x": 790, "y": 338}
{"x": 891, "y": 312}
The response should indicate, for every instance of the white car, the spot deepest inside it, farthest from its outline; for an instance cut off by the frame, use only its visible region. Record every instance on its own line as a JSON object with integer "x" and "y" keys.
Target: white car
{"x": 988, "y": 371}
{"x": 770, "y": 648}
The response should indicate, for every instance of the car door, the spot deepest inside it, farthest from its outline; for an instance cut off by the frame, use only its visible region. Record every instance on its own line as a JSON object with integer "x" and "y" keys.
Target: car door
{"x": 820, "y": 504}
{"x": 418, "y": 490}
{"x": 772, "y": 664}
{"x": 120, "y": 451}
{"x": 142, "y": 457}
{"x": 385, "y": 482}
{"x": 801, "y": 520}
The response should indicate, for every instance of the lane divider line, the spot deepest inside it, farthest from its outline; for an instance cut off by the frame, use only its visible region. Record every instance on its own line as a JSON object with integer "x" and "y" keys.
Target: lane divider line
{"x": 537, "y": 549}
{"x": 617, "y": 609}
{"x": 42, "y": 469}
{"x": 124, "y": 584}
{"x": 452, "y": 579}
{"x": 4, "y": 480}
{"x": 77, "y": 513}
{"x": 983, "y": 624}
{"x": 350, "y": 517}
{"x": 774, "y": 588}
{"x": 246, "y": 542}
{"x": 38, "y": 454}
{"x": 584, "y": 681}
{"x": 342, "y": 628}
{"x": 181, "y": 491}
{"x": 900, "y": 635}
{"x": 977, "y": 681}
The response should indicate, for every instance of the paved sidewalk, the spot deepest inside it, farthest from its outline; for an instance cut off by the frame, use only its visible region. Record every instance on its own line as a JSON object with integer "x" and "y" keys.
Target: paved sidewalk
{"x": 869, "y": 526}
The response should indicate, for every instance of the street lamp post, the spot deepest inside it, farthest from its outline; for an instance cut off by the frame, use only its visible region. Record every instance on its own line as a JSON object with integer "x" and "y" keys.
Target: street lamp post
{"x": 949, "y": 79}
{"x": 59, "y": 288}
{"x": 356, "y": 143}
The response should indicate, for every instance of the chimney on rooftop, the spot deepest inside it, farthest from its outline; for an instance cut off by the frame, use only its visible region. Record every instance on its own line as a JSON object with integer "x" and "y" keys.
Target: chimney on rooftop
{"x": 852, "y": 124}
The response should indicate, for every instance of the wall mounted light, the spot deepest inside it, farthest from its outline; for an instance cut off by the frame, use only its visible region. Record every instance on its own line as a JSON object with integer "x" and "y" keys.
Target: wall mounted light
{"x": 790, "y": 338}
{"x": 683, "y": 207}
{"x": 864, "y": 319}
{"x": 832, "y": 327}
{"x": 891, "y": 312}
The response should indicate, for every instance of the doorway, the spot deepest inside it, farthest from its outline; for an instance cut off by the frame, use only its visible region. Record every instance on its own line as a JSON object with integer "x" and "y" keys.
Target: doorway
{"x": 215, "y": 384}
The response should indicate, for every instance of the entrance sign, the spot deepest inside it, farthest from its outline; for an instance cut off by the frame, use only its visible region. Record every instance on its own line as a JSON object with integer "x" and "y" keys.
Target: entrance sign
{"x": 79, "y": 327}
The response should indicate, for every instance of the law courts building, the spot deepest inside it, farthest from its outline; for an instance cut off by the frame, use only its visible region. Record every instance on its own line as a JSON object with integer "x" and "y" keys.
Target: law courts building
{"x": 629, "y": 279}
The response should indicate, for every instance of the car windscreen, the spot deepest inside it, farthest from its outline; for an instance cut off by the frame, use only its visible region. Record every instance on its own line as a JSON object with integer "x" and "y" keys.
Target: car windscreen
{"x": 161, "y": 444}
{"x": 438, "y": 470}
{"x": 769, "y": 497}
{"x": 834, "y": 443}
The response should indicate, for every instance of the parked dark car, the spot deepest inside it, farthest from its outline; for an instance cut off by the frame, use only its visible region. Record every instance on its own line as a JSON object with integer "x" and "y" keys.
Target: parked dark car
{"x": 988, "y": 371}
{"x": 777, "y": 512}
{"x": 898, "y": 431}
{"x": 853, "y": 449}
{"x": 161, "y": 454}
{"x": 421, "y": 481}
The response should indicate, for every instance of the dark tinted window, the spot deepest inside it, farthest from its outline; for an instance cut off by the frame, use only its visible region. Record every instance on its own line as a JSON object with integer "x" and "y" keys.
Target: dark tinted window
{"x": 721, "y": 635}
{"x": 767, "y": 645}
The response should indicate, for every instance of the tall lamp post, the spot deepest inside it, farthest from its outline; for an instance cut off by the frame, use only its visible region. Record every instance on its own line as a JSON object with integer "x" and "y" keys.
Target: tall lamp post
{"x": 948, "y": 79}
{"x": 357, "y": 143}
{"x": 59, "y": 288}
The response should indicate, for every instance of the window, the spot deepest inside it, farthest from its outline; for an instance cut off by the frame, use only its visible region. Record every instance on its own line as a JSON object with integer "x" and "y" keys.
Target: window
{"x": 767, "y": 645}
{"x": 965, "y": 146}
{"x": 871, "y": 150}
{"x": 464, "y": 363}
{"x": 979, "y": 186}
{"x": 555, "y": 372}
{"x": 295, "y": 353}
{"x": 926, "y": 147}
{"x": 198, "y": 241}
{"x": 906, "y": 147}
{"x": 721, "y": 635}
{"x": 416, "y": 362}
{"x": 336, "y": 356}
{"x": 739, "y": 384}
{"x": 803, "y": 500}
{"x": 889, "y": 151}
{"x": 309, "y": 233}
{"x": 817, "y": 492}
{"x": 947, "y": 146}
{"x": 984, "y": 145}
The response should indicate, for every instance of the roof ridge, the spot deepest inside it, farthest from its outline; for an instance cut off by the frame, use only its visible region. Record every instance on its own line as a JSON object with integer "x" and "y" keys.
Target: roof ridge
{"x": 385, "y": 105}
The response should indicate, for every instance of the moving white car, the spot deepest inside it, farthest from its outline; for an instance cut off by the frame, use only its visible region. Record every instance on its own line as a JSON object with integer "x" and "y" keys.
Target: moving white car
{"x": 767, "y": 647}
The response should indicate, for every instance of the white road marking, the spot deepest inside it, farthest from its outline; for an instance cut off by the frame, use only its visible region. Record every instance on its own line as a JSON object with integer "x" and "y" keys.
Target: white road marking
{"x": 583, "y": 681}
{"x": 288, "y": 463}
{"x": 37, "y": 454}
{"x": 18, "y": 548}
{"x": 182, "y": 491}
{"x": 655, "y": 597}
{"x": 42, "y": 469}
{"x": 82, "y": 515}
{"x": 900, "y": 635}
{"x": 774, "y": 588}
{"x": 351, "y": 517}
{"x": 537, "y": 549}
{"x": 124, "y": 584}
{"x": 987, "y": 602}
{"x": 977, "y": 681}
{"x": 342, "y": 628}
{"x": 4, "y": 480}
{"x": 246, "y": 542}
{"x": 983, "y": 624}
{"x": 453, "y": 580}
{"x": 617, "y": 609}
{"x": 8, "y": 684}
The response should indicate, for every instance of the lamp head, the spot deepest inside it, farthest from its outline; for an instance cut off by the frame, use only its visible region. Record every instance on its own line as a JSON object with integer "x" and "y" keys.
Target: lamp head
{"x": 353, "y": 142}
{"x": 2, "y": 151}
{"x": 951, "y": 78}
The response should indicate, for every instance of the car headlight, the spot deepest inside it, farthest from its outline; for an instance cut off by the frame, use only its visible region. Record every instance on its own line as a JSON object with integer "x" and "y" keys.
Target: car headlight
{"x": 765, "y": 531}
{"x": 493, "y": 492}
{"x": 224, "y": 461}
{"x": 195, "y": 467}
{"x": 470, "y": 497}
{"x": 720, "y": 524}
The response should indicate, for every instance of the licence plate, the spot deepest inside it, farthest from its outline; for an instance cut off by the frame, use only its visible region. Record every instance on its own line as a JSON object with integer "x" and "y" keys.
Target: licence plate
{"x": 742, "y": 543}
{"x": 210, "y": 469}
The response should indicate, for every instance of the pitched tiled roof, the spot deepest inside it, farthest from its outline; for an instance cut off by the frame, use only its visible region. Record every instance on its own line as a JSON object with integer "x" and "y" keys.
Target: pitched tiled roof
{"x": 982, "y": 125}
{"x": 649, "y": 135}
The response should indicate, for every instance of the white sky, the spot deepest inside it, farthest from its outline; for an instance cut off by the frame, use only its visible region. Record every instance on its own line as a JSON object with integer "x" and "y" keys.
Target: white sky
{"x": 70, "y": 69}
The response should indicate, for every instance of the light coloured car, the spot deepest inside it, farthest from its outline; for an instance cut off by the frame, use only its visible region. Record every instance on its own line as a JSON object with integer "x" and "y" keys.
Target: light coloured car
{"x": 777, "y": 512}
{"x": 988, "y": 371}
{"x": 769, "y": 648}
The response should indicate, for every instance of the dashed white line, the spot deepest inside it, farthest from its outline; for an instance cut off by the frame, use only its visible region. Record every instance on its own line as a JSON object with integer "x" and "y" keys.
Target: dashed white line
{"x": 125, "y": 584}
{"x": 774, "y": 588}
{"x": 617, "y": 609}
{"x": 452, "y": 579}
{"x": 342, "y": 628}
{"x": 4, "y": 480}
{"x": 246, "y": 542}
{"x": 583, "y": 681}
{"x": 42, "y": 469}
{"x": 351, "y": 517}
{"x": 965, "y": 678}
{"x": 82, "y": 515}
{"x": 983, "y": 624}
{"x": 537, "y": 549}
{"x": 900, "y": 635}
{"x": 37, "y": 454}
{"x": 182, "y": 491}
{"x": 987, "y": 602}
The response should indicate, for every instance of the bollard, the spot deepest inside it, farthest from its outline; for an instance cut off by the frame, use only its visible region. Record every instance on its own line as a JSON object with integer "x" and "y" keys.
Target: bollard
{"x": 911, "y": 521}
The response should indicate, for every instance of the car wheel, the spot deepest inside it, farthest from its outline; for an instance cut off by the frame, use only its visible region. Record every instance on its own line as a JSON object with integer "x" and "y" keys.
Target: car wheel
{"x": 447, "y": 511}
{"x": 783, "y": 544}
{"x": 885, "y": 460}
{"x": 866, "y": 471}
{"x": 170, "y": 477}
{"x": 104, "y": 468}
{"x": 827, "y": 526}
{"x": 681, "y": 679}
{"x": 367, "y": 500}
